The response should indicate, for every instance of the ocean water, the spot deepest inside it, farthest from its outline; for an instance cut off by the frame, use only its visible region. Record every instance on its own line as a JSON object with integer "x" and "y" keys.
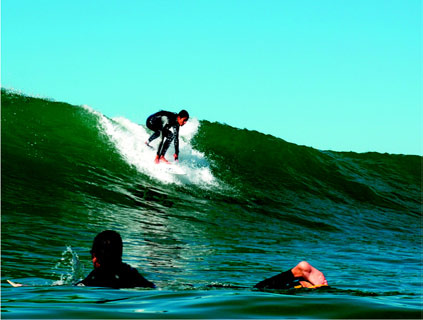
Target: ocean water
{"x": 249, "y": 206}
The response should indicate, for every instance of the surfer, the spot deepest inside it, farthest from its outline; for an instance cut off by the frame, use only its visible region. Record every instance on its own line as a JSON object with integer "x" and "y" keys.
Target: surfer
{"x": 162, "y": 122}
{"x": 109, "y": 270}
{"x": 302, "y": 275}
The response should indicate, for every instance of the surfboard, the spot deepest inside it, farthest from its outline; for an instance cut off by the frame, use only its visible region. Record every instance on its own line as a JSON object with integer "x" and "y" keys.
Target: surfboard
{"x": 174, "y": 169}
{"x": 171, "y": 167}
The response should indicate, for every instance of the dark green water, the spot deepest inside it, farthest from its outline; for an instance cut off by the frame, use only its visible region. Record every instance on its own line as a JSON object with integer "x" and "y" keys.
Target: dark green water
{"x": 250, "y": 206}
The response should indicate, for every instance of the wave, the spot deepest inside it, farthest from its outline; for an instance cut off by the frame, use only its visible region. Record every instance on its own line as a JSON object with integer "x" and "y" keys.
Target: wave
{"x": 249, "y": 205}
{"x": 77, "y": 146}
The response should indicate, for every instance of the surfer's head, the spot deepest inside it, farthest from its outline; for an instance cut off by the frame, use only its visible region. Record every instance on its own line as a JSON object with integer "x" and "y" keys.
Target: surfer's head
{"x": 183, "y": 117}
{"x": 107, "y": 249}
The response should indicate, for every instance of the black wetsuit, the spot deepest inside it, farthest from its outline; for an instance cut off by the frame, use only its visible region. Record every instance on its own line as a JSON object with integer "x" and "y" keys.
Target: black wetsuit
{"x": 164, "y": 121}
{"x": 284, "y": 280}
{"x": 122, "y": 277}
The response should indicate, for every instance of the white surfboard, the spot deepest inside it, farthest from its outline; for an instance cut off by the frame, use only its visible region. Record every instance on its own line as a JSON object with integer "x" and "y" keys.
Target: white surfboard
{"x": 174, "y": 169}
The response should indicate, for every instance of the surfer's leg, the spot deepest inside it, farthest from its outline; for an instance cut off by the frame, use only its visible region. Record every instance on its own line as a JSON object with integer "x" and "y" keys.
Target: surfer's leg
{"x": 153, "y": 125}
{"x": 310, "y": 274}
{"x": 169, "y": 138}
{"x": 155, "y": 135}
{"x": 159, "y": 149}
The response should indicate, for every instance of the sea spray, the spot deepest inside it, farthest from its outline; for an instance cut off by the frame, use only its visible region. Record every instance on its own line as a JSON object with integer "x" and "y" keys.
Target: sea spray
{"x": 69, "y": 269}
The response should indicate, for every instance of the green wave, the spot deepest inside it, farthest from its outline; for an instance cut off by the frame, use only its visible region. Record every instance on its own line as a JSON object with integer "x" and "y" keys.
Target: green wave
{"x": 272, "y": 169}
{"x": 44, "y": 140}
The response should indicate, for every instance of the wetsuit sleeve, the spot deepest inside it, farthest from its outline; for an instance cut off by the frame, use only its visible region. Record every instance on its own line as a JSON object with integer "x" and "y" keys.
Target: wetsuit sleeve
{"x": 88, "y": 281}
{"x": 140, "y": 281}
{"x": 284, "y": 280}
{"x": 176, "y": 134}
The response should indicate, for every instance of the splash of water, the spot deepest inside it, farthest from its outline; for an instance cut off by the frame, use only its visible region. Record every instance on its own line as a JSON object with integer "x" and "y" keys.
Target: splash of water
{"x": 69, "y": 268}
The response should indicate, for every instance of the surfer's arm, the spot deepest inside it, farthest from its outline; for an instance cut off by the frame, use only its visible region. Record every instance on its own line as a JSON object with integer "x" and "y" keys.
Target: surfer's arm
{"x": 13, "y": 284}
{"x": 303, "y": 274}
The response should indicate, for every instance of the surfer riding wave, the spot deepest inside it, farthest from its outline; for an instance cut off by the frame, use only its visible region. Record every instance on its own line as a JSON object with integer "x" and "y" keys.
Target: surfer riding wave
{"x": 161, "y": 123}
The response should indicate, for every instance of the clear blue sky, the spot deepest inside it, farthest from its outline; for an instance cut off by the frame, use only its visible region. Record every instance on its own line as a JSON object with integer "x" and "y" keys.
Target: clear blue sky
{"x": 331, "y": 74}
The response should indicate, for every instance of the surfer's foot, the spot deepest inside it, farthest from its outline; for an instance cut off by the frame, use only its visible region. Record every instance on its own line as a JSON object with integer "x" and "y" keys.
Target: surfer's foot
{"x": 312, "y": 276}
{"x": 148, "y": 145}
{"x": 161, "y": 159}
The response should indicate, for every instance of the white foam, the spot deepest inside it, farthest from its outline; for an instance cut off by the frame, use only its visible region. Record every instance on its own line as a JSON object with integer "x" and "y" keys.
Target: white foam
{"x": 129, "y": 139}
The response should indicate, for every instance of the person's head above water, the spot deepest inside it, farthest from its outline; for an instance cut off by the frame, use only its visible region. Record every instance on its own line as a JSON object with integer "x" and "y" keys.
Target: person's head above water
{"x": 183, "y": 117}
{"x": 107, "y": 249}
